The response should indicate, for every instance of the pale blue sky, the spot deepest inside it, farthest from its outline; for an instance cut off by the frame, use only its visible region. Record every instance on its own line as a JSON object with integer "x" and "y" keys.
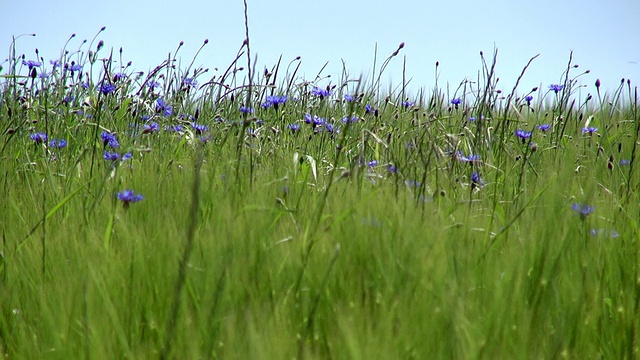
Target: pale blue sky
{"x": 602, "y": 34}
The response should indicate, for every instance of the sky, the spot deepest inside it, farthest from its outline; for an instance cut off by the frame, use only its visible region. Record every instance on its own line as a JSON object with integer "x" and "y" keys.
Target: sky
{"x": 603, "y": 36}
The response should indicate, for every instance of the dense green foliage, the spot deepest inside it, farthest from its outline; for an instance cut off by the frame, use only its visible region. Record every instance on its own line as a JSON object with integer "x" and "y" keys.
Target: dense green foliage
{"x": 413, "y": 231}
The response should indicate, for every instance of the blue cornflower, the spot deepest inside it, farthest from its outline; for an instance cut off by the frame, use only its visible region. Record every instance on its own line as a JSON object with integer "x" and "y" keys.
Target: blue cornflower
{"x": 60, "y": 144}
{"x": 246, "y": 109}
{"x": 174, "y": 128}
{"x": 372, "y": 163}
{"x": 470, "y": 158}
{"x": 624, "y": 162}
{"x": 582, "y": 209}
{"x": 128, "y": 196}
{"x": 353, "y": 119}
{"x": 293, "y": 127}
{"x": 544, "y": 127}
{"x": 54, "y": 63}
{"x": 153, "y": 84}
{"x": 85, "y": 85}
{"x": 528, "y": 99}
{"x": 114, "y": 156}
{"x": 109, "y": 139}
{"x": 392, "y": 168}
{"x": 277, "y": 99}
{"x": 163, "y": 107}
{"x": 476, "y": 180}
{"x": 75, "y": 67}
{"x": 44, "y": 75}
{"x": 321, "y": 92}
{"x": 349, "y": 98}
{"x": 273, "y": 100}
{"x": 523, "y": 134}
{"x": 199, "y": 128}
{"x": 329, "y": 127}
{"x": 190, "y": 82}
{"x": 119, "y": 76}
{"x": 455, "y": 102}
{"x": 150, "y": 127}
{"x": 556, "y": 87}
{"x": 39, "y": 137}
{"x": 107, "y": 88}
{"x": 31, "y": 63}
{"x": 407, "y": 103}
{"x": 111, "y": 156}
{"x": 368, "y": 109}
{"x": 589, "y": 130}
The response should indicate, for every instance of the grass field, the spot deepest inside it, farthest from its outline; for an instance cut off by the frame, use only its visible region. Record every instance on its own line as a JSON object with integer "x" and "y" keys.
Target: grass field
{"x": 258, "y": 215}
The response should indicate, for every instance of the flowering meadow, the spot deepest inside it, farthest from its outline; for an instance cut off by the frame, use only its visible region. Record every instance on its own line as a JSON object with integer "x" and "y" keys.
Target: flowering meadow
{"x": 249, "y": 213}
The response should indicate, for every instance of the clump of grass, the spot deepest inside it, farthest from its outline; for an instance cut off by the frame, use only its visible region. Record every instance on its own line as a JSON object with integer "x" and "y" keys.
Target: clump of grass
{"x": 265, "y": 215}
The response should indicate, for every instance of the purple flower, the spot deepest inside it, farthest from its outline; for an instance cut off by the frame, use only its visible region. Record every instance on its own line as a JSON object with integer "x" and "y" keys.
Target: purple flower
{"x": 476, "y": 179}
{"x": 293, "y": 127}
{"x": 190, "y": 82}
{"x": 31, "y": 63}
{"x": 372, "y": 163}
{"x": 556, "y": 87}
{"x": 349, "y": 98}
{"x": 75, "y": 67}
{"x": 199, "y": 128}
{"x": 353, "y": 119}
{"x": 60, "y": 144}
{"x": 523, "y": 134}
{"x": 582, "y": 209}
{"x": 456, "y": 102}
{"x": 321, "y": 92}
{"x": 329, "y": 128}
{"x": 163, "y": 107}
{"x": 153, "y": 84}
{"x": 119, "y": 76}
{"x": 150, "y": 127}
{"x": 128, "y": 196}
{"x": 392, "y": 168}
{"x": 528, "y": 99}
{"x": 274, "y": 100}
{"x": 246, "y": 110}
{"x": 174, "y": 128}
{"x": 109, "y": 139}
{"x": 407, "y": 103}
{"x": 470, "y": 158}
{"x": 107, "y": 88}
{"x": 368, "y": 109}
{"x": 589, "y": 130}
{"x": 54, "y": 63}
{"x": 624, "y": 162}
{"x": 544, "y": 127}
{"x": 114, "y": 156}
{"x": 111, "y": 156}
{"x": 39, "y": 137}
